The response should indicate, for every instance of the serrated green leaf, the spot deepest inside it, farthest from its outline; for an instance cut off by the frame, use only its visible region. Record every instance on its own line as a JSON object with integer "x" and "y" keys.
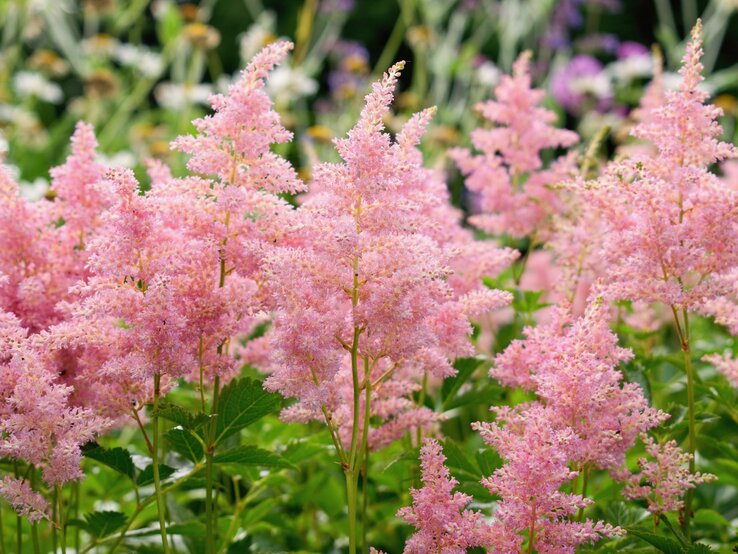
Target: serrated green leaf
{"x": 181, "y": 416}
{"x": 464, "y": 367}
{"x": 456, "y": 458}
{"x": 698, "y": 548}
{"x": 102, "y": 524}
{"x": 116, "y": 458}
{"x": 242, "y": 402}
{"x": 662, "y": 544}
{"x": 251, "y": 455}
{"x": 184, "y": 442}
{"x": 146, "y": 477}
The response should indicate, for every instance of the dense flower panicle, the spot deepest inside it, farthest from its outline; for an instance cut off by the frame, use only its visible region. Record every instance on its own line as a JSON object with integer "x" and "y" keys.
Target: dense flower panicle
{"x": 670, "y": 223}
{"x": 514, "y": 187}
{"x": 442, "y": 524}
{"x": 81, "y": 194}
{"x": 38, "y": 426}
{"x": 536, "y": 451}
{"x": 371, "y": 276}
{"x": 725, "y": 364}
{"x": 663, "y": 481}
{"x": 234, "y": 143}
{"x": 572, "y": 367}
{"x": 174, "y": 273}
{"x": 24, "y": 500}
{"x": 42, "y": 244}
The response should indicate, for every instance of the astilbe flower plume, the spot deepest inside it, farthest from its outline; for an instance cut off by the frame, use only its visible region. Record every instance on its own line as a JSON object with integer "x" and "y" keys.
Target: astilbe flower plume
{"x": 663, "y": 481}
{"x": 38, "y": 426}
{"x": 42, "y": 244}
{"x": 174, "y": 271}
{"x": 571, "y": 365}
{"x": 364, "y": 303}
{"x": 437, "y": 512}
{"x": 515, "y": 189}
{"x": 725, "y": 364}
{"x": 25, "y": 501}
{"x": 536, "y": 450}
{"x": 670, "y": 222}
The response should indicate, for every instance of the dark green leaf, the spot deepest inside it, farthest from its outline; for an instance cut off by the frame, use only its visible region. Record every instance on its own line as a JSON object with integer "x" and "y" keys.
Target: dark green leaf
{"x": 662, "y": 544}
{"x": 184, "y": 442}
{"x": 116, "y": 458}
{"x": 456, "y": 458}
{"x": 242, "y": 402}
{"x": 102, "y": 524}
{"x": 146, "y": 477}
{"x": 465, "y": 367}
{"x": 251, "y": 455}
{"x": 181, "y": 416}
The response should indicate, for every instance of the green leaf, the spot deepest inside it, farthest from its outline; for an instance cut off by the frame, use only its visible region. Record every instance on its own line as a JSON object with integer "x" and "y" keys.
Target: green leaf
{"x": 181, "y": 416}
{"x": 184, "y": 442}
{"x": 102, "y": 524}
{"x": 146, "y": 477}
{"x": 456, "y": 458}
{"x": 242, "y": 402}
{"x": 662, "y": 544}
{"x": 699, "y": 548}
{"x": 116, "y": 458}
{"x": 465, "y": 367}
{"x": 251, "y": 455}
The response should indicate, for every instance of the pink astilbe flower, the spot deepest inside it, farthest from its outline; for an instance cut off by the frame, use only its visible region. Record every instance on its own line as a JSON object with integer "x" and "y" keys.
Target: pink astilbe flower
{"x": 42, "y": 244}
{"x": 572, "y": 367}
{"x": 365, "y": 299}
{"x": 437, "y": 512}
{"x": 725, "y": 364}
{"x": 536, "y": 451}
{"x": 174, "y": 273}
{"x": 234, "y": 143}
{"x": 670, "y": 223}
{"x": 663, "y": 481}
{"x": 25, "y": 501}
{"x": 509, "y": 175}
{"x": 37, "y": 424}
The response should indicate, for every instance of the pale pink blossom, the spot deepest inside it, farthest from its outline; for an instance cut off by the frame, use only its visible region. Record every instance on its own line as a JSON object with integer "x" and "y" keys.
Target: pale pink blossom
{"x": 25, "y": 501}
{"x": 438, "y": 513}
{"x": 664, "y": 480}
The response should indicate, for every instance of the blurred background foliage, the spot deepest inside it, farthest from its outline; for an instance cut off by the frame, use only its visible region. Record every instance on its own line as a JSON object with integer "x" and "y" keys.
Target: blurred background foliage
{"x": 141, "y": 70}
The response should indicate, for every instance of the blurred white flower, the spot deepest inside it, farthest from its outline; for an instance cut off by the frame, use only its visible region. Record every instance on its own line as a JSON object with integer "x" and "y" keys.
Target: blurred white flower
{"x": 124, "y": 158}
{"x": 176, "y": 96}
{"x": 630, "y": 68}
{"x": 598, "y": 85}
{"x": 30, "y": 83}
{"x": 488, "y": 74}
{"x": 149, "y": 63}
{"x": 258, "y": 35}
{"x": 289, "y": 83}
{"x": 34, "y": 190}
{"x": 4, "y": 146}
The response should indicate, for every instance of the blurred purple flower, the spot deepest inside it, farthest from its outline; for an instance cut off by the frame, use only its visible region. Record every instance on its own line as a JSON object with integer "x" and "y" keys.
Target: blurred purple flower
{"x": 630, "y": 49}
{"x": 582, "y": 79}
{"x": 342, "y": 6}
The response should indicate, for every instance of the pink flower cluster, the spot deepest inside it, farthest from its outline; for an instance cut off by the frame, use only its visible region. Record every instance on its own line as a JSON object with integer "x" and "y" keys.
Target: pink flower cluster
{"x": 663, "y": 481}
{"x": 438, "y": 514}
{"x": 670, "y": 228}
{"x": 515, "y": 189}
{"x": 368, "y": 299}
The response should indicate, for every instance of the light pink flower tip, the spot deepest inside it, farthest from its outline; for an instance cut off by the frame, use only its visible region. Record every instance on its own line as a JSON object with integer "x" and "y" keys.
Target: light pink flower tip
{"x": 438, "y": 513}
{"x": 665, "y": 478}
{"x": 25, "y": 501}
{"x": 691, "y": 70}
{"x": 725, "y": 364}
{"x": 413, "y": 130}
{"x": 378, "y": 101}
{"x": 264, "y": 61}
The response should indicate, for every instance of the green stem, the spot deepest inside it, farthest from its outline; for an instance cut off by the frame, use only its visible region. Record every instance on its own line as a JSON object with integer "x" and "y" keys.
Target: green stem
{"x": 2, "y": 533}
{"x": 161, "y": 507}
{"x": 19, "y": 535}
{"x": 209, "y": 503}
{"x": 692, "y": 439}
{"x": 61, "y": 520}
{"x": 351, "y": 483}
{"x": 585, "y": 481}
